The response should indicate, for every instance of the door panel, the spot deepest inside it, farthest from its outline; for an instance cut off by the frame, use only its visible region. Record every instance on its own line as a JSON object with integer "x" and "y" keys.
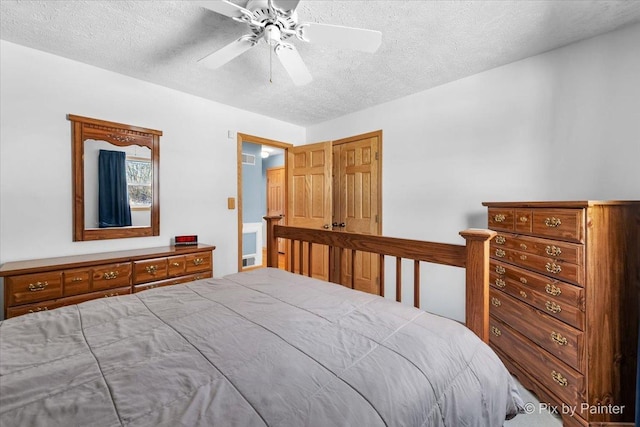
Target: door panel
{"x": 276, "y": 196}
{"x": 310, "y": 198}
{"x": 357, "y": 177}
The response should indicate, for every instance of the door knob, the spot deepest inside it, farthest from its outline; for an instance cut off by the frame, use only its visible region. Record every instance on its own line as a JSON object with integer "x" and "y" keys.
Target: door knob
{"x": 326, "y": 226}
{"x": 335, "y": 224}
{"x": 342, "y": 225}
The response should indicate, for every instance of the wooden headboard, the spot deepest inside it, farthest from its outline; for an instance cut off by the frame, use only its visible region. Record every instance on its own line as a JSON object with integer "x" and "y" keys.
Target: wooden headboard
{"x": 474, "y": 257}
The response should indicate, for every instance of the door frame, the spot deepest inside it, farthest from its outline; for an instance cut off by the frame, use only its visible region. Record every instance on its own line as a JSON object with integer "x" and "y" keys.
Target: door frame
{"x": 242, "y": 137}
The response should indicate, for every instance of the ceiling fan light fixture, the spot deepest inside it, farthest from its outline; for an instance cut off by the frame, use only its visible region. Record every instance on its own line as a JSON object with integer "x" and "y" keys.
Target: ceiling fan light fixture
{"x": 272, "y": 35}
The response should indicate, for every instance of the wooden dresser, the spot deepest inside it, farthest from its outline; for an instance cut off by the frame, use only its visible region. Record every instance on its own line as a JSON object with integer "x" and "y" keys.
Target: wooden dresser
{"x": 565, "y": 281}
{"x": 43, "y": 284}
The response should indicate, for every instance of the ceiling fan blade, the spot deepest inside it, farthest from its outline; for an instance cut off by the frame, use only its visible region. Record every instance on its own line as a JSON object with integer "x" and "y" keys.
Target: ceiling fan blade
{"x": 227, "y": 53}
{"x": 223, "y": 7}
{"x": 286, "y": 5}
{"x": 342, "y": 37}
{"x": 292, "y": 62}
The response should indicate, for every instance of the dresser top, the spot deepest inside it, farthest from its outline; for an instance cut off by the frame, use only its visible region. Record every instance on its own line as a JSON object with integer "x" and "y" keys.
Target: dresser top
{"x": 45, "y": 264}
{"x": 562, "y": 204}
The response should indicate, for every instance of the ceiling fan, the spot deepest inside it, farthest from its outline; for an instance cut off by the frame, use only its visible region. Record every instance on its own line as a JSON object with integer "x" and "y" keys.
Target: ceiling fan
{"x": 275, "y": 22}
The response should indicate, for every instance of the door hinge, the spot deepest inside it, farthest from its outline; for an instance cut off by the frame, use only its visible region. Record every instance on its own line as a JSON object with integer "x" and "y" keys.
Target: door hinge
{"x": 376, "y": 155}
{"x": 376, "y": 218}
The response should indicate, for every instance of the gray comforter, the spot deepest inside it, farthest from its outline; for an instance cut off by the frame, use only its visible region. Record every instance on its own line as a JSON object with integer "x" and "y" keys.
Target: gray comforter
{"x": 251, "y": 349}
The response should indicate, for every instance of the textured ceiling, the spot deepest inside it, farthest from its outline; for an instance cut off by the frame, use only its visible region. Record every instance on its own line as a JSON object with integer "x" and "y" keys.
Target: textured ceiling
{"x": 424, "y": 44}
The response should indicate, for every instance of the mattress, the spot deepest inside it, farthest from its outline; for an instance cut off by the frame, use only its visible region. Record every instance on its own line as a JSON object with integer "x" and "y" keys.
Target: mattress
{"x": 259, "y": 348}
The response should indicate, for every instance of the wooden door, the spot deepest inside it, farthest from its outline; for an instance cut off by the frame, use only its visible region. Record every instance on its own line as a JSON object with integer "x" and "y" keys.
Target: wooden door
{"x": 276, "y": 196}
{"x": 309, "y": 197}
{"x": 357, "y": 179}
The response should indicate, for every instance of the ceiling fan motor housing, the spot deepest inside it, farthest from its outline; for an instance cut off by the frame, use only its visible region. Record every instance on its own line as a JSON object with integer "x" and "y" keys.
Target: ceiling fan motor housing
{"x": 273, "y": 25}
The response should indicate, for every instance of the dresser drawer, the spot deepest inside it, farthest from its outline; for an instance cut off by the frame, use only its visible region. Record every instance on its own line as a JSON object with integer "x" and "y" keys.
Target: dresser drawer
{"x": 558, "y": 299}
{"x": 177, "y": 265}
{"x": 174, "y": 281}
{"x": 563, "y": 224}
{"x": 76, "y": 281}
{"x": 501, "y": 219}
{"x": 33, "y": 287}
{"x": 548, "y": 266}
{"x": 34, "y": 308}
{"x": 563, "y": 381}
{"x": 558, "y": 250}
{"x": 201, "y": 261}
{"x": 556, "y": 337}
{"x": 149, "y": 270}
{"x": 111, "y": 276}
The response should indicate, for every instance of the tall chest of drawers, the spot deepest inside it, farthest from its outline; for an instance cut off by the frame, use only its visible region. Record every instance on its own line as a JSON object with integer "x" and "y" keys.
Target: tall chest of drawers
{"x": 564, "y": 297}
{"x": 44, "y": 284}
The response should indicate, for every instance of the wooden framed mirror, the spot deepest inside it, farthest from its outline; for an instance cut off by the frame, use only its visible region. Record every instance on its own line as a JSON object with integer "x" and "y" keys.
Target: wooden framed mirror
{"x": 115, "y": 180}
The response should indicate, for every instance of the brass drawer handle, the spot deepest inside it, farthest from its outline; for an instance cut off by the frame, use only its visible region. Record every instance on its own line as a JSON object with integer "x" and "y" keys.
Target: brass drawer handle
{"x": 197, "y": 278}
{"x": 500, "y": 283}
{"x": 524, "y": 219}
{"x": 110, "y": 275}
{"x": 77, "y": 279}
{"x": 523, "y": 280}
{"x": 35, "y": 310}
{"x": 523, "y": 246}
{"x": 500, "y": 253}
{"x": 557, "y": 377}
{"x": 523, "y": 257}
{"x": 38, "y": 286}
{"x": 495, "y": 331}
{"x": 499, "y": 218}
{"x": 523, "y": 294}
{"x": 558, "y": 339}
{"x": 151, "y": 269}
{"x": 552, "y": 289}
{"x": 553, "y": 307}
{"x": 175, "y": 264}
{"x": 552, "y": 222}
{"x": 112, "y": 294}
{"x": 500, "y": 269}
{"x": 553, "y": 250}
{"x": 198, "y": 261}
{"x": 501, "y": 240}
{"x": 552, "y": 267}
{"x": 496, "y": 302}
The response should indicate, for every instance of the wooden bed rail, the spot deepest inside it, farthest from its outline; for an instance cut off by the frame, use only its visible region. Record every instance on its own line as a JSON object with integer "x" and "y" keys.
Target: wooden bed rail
{"x": 474, "y": 257}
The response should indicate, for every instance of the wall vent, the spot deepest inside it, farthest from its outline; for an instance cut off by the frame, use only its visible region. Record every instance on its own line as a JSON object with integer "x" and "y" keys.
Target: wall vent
{"x": 248, "y": 159}
{"x": 249, "y": 261}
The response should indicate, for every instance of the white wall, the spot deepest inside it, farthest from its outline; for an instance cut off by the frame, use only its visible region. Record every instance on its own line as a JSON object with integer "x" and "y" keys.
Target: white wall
{"x": 197, "y": 160}
{"x": 561, "y": 125}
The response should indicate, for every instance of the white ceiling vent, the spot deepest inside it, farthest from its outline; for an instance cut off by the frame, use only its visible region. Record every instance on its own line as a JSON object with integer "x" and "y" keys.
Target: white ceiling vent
{"x": 248, "y": 159}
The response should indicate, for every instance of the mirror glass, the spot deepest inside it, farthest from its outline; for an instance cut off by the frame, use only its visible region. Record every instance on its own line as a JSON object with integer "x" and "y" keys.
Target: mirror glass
{"x": 116, "y": 190}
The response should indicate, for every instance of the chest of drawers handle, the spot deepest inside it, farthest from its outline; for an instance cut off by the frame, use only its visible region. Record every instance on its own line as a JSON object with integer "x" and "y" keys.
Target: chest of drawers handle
{"x": 523, "y": 294}
{"x": 500, "y": 283}
{"x": 495, "y": 331}
{"x": 501, "y": 240}
{"x": 151, "y": 269}
{"x": 35, "y": 310}
{"x": 523, "y": 246}
{"x": 523, "y": 280}
{"x": 198, "y": 261}
{"x": 557, "y": 377}
{"x": 110, "y": 275}
{"x": 552, "y": 222}
{"x": 499, "y": 218}
{"x": 524, "y": 219}
{"x": 112, "y": 294}
{"x": 523, "y": 257}
{"x": 558, "y": 339}
{"x": 553, "y": 250}
{"x": 553, "y": 307}
{"x": 500, "y": 269}
{"x": 496, "y": 302}
{"x": 552, "y": 289}
{"x": 175, "y": 264}
{"x": 500, "y": 253}
{"x": 38, "y": 286}
{"x": 552, "y": 267}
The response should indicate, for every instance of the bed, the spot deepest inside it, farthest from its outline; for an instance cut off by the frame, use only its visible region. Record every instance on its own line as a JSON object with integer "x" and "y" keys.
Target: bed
{"x": 266, "y": 347}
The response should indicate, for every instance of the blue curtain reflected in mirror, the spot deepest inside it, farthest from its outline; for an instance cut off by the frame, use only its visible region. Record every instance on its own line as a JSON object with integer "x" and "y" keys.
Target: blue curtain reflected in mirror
{"x": 113, "y": 197}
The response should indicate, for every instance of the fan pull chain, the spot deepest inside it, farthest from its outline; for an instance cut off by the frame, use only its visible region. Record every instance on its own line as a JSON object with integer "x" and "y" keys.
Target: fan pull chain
{"x": 270, "y": 64}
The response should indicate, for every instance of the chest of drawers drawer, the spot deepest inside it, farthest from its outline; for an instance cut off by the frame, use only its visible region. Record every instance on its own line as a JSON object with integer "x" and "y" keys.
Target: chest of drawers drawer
{"x": 558, "y": 299}
{"x": 177, "y": 266}
{"x": 77, "y": 281}
{"x": 111, "y": 276}
{"x": 556, "y": 337}
{"x": 560, "y": 379}
{"x": 570, "y": 253}
{"x": 201, "y": 261}
{"x": 149, "y": 270}
{"x": 33, "y": 287}
{"x": 549, "y": 266}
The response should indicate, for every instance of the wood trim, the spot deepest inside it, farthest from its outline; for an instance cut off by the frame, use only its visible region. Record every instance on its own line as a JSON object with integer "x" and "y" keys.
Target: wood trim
{"x": 474, "y": 256}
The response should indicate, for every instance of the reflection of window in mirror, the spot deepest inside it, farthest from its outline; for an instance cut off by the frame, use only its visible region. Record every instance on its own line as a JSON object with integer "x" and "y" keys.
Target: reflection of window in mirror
{"x": 139, "y": 179}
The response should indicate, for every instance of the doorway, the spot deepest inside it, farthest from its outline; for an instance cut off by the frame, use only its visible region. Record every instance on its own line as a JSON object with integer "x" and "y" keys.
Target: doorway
{"x": 259, "y": 161}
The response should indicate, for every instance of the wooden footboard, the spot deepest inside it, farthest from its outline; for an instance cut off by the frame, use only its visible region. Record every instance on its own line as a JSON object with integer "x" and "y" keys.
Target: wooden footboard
{"x": 474, "y": 257}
